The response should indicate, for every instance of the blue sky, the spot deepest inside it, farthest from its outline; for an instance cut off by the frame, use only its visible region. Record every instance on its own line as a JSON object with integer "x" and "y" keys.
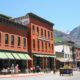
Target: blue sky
{"x": 65, "y": 14}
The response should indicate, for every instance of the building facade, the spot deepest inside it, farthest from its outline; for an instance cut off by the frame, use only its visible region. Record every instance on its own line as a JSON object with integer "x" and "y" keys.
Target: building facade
{"x": 63, "y": 51}
{"x": 40, "y": 40}
{"x": 13, "y": 44}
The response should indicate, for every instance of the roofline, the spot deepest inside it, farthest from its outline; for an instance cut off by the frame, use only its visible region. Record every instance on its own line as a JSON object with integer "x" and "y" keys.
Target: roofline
{"x": 36, "y": 16}
{"x": 12, "y": 22}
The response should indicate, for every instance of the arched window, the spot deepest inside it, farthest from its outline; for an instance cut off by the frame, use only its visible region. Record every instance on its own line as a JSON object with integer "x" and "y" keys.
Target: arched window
{"x": 24, "y": 42}
{"x": 19, "y": 41}
{"x": 34, "y": 43}
{"x": 12, "y": 39}
{"x": 6, "y": 38}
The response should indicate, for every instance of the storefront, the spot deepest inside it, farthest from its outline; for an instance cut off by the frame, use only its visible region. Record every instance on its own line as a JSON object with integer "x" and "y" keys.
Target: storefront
{"x": 9, "y": 58}
{"x": 43, "y": 61}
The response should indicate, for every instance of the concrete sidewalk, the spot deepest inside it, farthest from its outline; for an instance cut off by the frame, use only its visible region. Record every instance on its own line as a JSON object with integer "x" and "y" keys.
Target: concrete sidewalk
{"x": 21, "y": 75}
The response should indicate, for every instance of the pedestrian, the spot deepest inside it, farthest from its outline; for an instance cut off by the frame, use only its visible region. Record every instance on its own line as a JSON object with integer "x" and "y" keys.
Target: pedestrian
{"x": 54, "y": 70}
{"x": 17, "y": 68}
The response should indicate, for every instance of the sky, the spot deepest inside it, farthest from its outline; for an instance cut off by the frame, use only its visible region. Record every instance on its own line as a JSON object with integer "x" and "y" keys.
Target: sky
{"x": 65, "y": 14}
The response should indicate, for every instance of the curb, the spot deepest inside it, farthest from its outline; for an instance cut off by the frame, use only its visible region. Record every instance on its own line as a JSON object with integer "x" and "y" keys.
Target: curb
{"x": 20, "y": 75}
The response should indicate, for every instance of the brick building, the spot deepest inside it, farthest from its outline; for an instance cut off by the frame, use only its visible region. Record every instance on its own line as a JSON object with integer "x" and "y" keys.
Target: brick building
{"x": 13, "y": 43}
{"x": 29, "y": 35}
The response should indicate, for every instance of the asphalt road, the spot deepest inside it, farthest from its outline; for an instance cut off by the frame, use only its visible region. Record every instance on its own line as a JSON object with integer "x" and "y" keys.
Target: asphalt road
{"x": 48, "y": 76}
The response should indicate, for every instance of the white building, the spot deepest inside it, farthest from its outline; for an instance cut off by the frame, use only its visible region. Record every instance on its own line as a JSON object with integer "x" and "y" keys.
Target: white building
{"x": 64, "y": 49}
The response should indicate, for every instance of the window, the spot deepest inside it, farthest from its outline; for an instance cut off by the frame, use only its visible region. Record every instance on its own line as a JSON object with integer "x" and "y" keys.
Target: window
{"x": 6, "y": 39}
{"x": 37, "y": 30}
{"x": 33, "y": 43}
{"x": 19, "y": 41}
{"x": 45, "y": 32}
{"x": 48, "y": 34}
{"x": 12, "y": 40}
{"x": 41, "y": 32}
{"x": 42, "y": 45}
{"x": 46, "y": 45}
{"x": 38, "y": 45}
{"x": 49, "y": 45}
{"x": 0, "y": 37}
{"x": 51, "y": 35}
{"x": 24, "y": 42}
{"x": 52, "y": 47}
{"x": 33, "y": 29}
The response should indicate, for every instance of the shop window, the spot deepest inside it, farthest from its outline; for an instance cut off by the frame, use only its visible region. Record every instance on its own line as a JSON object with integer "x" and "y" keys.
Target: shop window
{"x": 6, "y": 38}
{"x": 19, "y": 41}
{"x": 33, "y": 43}
{"x": 24, "y": 42}
{"x": 12, "y": 40}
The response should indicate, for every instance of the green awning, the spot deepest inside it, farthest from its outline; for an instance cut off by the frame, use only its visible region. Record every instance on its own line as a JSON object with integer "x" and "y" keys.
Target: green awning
{"x": 39, "y": 55}
{"x": 9, "y": 55}
{"x": 3, "y": 55}
{"x": 27, "y": 56}
{"x": 16, "y": 56}
{"x": 22, "y": 56}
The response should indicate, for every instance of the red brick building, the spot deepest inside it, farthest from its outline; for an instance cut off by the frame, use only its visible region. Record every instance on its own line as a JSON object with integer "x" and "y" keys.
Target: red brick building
{"x": 40, "y": 40}
{"x": 29, "y": 34}
{"x": 13, "y": 43}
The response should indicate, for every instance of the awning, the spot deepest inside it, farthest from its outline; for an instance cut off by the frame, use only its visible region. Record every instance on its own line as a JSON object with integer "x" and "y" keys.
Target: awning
{"x": 3, "y": 55}
{"x": 27, "y": 56}
{"x": 16, "y": 56}
{"x": 22, "y": 56}
{"x": 9, "y": 55}
{"x": 39, "y": 55}
{"x": 64, "y": 60}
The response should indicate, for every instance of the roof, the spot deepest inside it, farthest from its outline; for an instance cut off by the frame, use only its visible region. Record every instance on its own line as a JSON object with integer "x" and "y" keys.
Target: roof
{"x": 5, "y": 16}
{"x": 4, "y": 19}
{"x": 40, "y": 18}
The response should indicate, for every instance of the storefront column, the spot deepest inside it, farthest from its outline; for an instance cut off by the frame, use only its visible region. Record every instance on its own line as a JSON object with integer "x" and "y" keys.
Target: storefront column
{"x": 46, "y": 63}
{"x": 43, "y": 62}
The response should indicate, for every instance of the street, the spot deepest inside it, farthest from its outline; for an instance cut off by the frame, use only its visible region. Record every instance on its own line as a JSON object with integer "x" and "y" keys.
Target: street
{"x": 44, "y": 76}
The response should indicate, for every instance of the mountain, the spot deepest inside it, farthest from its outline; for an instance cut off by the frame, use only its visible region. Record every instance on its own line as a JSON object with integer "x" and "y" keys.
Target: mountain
{"x": 75, "y": 35}
{"x": 59, "y": 36}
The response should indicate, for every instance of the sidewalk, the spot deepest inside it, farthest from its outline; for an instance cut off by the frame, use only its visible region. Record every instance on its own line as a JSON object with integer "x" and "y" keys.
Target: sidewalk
{"x": 21, "y": 75}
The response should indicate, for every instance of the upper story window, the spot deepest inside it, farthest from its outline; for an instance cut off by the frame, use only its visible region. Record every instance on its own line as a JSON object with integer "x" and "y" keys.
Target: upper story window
{"x": 41, "y": 32}
{"x": 45, "y": 33}
{"x": 12, "y": 40}
{"x": 46, "y": 45}
{"x": 19, "y": 41}
{"x": 34, "y": 43}
{"x": 38, "y": 30}
{"x": 48, "y": 34}
{"x": 33, "y": 28}
{"x": 51, "y": 35}
{"x": 38, "y": 44}
{"x": 6, "y": 38}
{"x": 52, "y": 47}
{"x": 0, "y": 37}
{"x": 24, "y": 42}
{"x": 42, "y": 45}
